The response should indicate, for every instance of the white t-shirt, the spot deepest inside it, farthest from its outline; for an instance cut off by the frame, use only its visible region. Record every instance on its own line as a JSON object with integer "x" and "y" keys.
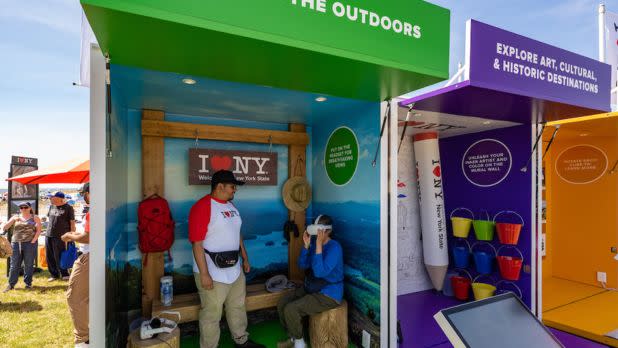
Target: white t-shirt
{"x": 217, "y": 223}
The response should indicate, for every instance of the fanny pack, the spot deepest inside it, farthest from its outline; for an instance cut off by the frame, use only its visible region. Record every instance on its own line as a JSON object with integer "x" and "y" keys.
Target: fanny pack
{"x": 314, "y": 284}
{"x": 224, "y": 259}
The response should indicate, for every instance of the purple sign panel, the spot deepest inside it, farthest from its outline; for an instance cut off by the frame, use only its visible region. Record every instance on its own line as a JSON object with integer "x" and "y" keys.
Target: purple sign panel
{"x": 486, "y": 162}
{"x": 512, "y": 63}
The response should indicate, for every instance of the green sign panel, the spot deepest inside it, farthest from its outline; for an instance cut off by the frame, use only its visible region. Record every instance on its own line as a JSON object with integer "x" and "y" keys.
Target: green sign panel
{"x": 341, "y": 156}
{"x": 361, "y": 49}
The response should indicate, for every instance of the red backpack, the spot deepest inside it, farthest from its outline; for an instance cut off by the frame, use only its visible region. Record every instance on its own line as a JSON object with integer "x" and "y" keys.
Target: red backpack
{"x": 155, "y": 225}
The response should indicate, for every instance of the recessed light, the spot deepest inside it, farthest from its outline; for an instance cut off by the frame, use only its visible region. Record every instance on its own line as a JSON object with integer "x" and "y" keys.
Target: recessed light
{"x": 320, "y": 99}
{"x": 486, "y": 122}
{"x": 188, "y": 81}
{"x": 584, "y": 134}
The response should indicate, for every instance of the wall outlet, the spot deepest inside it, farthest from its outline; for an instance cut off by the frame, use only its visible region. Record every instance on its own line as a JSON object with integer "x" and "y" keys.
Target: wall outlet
{"x": 366, "y": 339}
{"x": 602, "y": 277}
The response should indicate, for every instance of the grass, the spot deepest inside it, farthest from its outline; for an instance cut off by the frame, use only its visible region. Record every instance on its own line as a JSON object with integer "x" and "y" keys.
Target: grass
{"x": 36, "y": 318}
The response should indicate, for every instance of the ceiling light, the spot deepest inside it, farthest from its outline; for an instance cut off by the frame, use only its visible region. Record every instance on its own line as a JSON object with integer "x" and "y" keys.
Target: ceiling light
{"x": 320, "y": 99}
{"x": 188, "y": 81}
{"x": 486, "y": 122}
{"x": 416, "y": 114}
{"x": 584, "y": 134}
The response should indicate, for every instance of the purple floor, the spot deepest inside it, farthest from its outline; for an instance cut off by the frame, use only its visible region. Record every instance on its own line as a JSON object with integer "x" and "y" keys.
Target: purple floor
{"x": 420, "y": 330}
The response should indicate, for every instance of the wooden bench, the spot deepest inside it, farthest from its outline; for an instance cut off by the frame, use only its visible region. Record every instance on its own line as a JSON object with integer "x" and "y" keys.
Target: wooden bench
{"x": 188, "y": 305}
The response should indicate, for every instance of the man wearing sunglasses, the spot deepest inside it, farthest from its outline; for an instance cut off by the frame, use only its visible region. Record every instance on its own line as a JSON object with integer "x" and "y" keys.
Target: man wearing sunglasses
{"x": 214, "y": 231}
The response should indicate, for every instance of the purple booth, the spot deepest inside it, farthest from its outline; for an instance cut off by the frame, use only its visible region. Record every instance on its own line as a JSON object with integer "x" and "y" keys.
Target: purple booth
{"x": 487, "y": 127}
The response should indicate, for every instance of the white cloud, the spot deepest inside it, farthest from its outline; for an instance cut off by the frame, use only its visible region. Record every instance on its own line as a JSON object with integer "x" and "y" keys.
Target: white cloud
{"x": 364, "y": 154}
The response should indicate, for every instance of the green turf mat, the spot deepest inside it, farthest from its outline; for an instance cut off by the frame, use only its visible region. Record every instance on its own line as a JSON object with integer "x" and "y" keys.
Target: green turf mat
{"x": 267, "y": 333}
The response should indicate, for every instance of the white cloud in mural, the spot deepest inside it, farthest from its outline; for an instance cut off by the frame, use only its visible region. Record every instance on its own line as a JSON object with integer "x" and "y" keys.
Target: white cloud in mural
{"x": 367, "y": 140}
{"x": 364, "y": 154}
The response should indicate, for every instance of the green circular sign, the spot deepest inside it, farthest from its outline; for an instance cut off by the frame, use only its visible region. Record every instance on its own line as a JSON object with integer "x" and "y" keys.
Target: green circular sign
{"x": 341, "y": 156}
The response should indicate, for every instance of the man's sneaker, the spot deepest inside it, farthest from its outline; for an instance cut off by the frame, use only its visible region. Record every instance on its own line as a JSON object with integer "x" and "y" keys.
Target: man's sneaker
{"x": 289, "y": 343}
{"x": 51, "y": 279}
{"x": 8, "y": 288}
{"x": 65, "y": 278}
{"x": 28, "y": 287}
{"x": 250, "y": 344}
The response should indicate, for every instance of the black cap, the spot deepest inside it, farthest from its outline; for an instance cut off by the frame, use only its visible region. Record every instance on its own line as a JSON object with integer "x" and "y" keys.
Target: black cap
{"x": 85, "y": 188}
{"x": 225, "y": 177}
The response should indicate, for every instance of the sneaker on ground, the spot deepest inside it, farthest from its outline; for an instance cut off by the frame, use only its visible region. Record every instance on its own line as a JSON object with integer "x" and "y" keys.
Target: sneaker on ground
{"x": 250, "y": 344}
{"x": 28, "y": 287}
{"x": 65, "y": 278}
{"x": 51, "y": 279}
{"x": 7, "y": 289}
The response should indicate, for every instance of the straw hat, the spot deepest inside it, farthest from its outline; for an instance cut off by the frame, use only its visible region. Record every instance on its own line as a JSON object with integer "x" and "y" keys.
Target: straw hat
{"x": 296, "y": 193}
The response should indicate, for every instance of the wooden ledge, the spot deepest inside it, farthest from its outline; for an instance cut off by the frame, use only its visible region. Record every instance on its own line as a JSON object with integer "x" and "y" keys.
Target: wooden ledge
{"x": 188, "y": 305}
{"x": 167, "y": 129}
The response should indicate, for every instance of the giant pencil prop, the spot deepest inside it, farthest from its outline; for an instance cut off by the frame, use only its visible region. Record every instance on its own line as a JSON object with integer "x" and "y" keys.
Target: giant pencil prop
{"x": 431, "y": 198}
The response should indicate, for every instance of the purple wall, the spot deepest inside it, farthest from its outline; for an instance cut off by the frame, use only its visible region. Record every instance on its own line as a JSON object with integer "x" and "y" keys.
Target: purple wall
{"x": 512, "y": 193}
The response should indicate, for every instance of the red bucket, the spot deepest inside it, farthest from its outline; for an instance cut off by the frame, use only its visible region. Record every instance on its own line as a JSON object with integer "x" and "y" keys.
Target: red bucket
{"x": 508, "y": 233}
{"x": 461, "y": 287}
{"x": 510, "y": 266}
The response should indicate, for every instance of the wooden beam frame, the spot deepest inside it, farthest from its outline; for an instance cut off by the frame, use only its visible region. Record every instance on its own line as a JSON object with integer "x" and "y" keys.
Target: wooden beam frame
{"x": 160, "y": 128}
{"x": 155, "y": 129}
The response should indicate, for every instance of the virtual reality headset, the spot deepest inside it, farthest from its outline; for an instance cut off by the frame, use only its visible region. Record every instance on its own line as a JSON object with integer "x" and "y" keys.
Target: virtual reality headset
{"x": 312, "y": 229}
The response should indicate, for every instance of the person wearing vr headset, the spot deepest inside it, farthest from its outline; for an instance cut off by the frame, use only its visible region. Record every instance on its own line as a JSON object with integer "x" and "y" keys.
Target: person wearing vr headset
{"x": 214, "y": 231}
{"x": 78, "y": 291}
{"x": 322, "y": 259}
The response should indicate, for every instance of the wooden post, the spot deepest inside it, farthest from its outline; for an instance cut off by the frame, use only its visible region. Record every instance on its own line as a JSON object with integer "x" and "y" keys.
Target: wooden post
{"x": 296, "y": 153}
{"x": 152, "y": 182}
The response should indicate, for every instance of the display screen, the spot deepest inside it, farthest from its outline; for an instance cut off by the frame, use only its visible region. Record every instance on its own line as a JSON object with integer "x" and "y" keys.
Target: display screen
{"x": 500, "y": 321}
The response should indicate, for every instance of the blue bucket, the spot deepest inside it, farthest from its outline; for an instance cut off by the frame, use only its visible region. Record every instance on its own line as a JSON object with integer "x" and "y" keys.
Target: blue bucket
{"x": 483, "y": 260}
{"x": 461, "y": 255}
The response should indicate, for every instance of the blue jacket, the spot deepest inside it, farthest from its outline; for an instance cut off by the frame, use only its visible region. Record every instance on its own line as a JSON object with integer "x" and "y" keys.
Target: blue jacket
{"x": 327, "y": 265}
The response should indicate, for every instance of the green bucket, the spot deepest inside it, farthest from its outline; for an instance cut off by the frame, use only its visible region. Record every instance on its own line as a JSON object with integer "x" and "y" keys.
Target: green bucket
{"x": 484, "y": 229}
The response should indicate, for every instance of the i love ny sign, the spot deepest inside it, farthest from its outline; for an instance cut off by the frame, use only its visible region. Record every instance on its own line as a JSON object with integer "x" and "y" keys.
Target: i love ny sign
{"x": 254, "y": 168}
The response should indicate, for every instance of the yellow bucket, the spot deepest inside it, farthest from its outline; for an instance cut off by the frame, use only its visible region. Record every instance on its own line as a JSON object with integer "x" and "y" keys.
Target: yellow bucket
{"x": 482, "y": 290}
{"x": 461, "y": 225}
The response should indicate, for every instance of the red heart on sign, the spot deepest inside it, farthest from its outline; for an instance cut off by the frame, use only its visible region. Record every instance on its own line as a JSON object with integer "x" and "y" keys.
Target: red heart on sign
{"x": 436, "y": 171}
{"x": 220, "y": 163}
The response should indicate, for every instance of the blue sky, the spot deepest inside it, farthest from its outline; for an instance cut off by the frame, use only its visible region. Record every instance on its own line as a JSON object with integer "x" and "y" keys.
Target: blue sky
{"x": 42, "y": 115}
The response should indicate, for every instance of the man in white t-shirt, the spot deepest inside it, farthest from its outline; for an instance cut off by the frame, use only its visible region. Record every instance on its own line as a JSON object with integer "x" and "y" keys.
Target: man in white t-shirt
{"x": 78, "y": 291}
{"x": 214, "y": 231}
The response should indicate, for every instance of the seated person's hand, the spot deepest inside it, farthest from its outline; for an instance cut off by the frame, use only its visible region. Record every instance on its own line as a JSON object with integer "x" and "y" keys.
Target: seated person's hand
{"x": 65, "y": 238}
{"x": 246, "y": 266}
{"x": 306, "y": 239}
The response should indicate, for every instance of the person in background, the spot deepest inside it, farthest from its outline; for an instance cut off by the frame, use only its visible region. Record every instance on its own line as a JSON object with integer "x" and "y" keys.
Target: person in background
{"x": 214, "y": 231}
{"x": 61, "y": 220}
{"x": 26, "y": 230}
{"x": 79, "y": 288}
{"x": 323, "y": 261}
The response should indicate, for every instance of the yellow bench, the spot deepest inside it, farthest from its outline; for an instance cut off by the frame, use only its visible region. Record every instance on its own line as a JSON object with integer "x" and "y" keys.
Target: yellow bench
{"x": 188, "y": 305}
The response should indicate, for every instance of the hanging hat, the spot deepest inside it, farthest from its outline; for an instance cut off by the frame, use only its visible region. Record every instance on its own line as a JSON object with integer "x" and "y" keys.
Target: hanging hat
{"x": 296, "y": 193}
